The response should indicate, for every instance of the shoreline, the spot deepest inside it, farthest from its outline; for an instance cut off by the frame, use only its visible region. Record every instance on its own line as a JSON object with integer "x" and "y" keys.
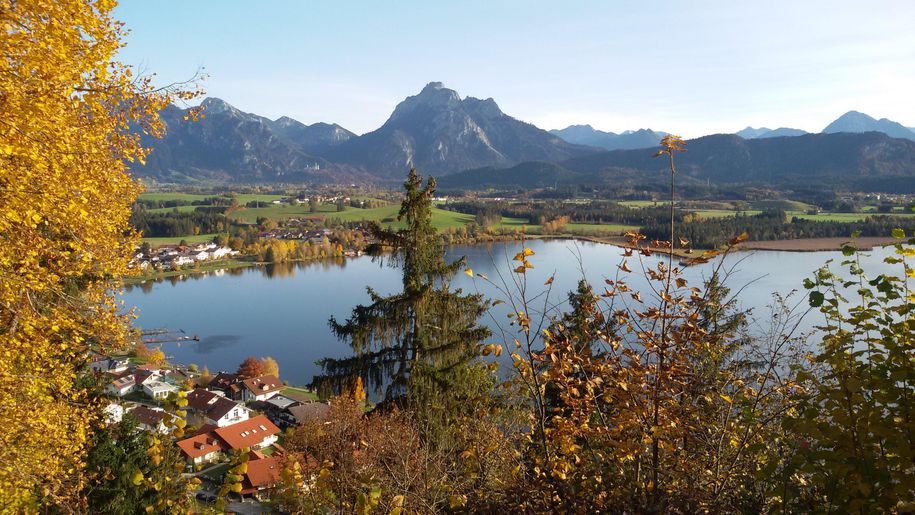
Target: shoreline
{"x": 866, "y": 243}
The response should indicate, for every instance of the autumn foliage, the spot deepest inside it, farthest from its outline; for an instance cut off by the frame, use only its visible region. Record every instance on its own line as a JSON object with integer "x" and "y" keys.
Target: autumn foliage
{"x": 64, "y": 203}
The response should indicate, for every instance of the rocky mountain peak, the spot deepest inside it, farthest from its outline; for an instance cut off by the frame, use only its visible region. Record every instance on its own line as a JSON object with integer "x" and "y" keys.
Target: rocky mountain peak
{"x": 435, "y": 96}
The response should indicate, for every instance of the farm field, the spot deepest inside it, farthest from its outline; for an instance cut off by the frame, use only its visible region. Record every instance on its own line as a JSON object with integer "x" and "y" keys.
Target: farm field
{"x": 198, "y": 238}
{"x": 243, "y": 198}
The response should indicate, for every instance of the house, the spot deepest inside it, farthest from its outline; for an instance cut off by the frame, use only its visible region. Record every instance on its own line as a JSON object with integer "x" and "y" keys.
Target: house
{"x": 150, "y": 419}
{"x": 121, "y": 386}
{"x": 212, "y": 408}
{"x": 286, "y": 411}
{"x": 102, "y": 364}
{"x": 230, "y": 384}
{"x": 263, "y": 474}
{"x": 201, "y": 448}
{"x": 303, "y": 412}
{"x": 222, "y": 252}
{"x": 158, "y": 389}
{"x": 114, "y": 412}
{"x": 260, "y": 388}
{"x": 254, "y": 433}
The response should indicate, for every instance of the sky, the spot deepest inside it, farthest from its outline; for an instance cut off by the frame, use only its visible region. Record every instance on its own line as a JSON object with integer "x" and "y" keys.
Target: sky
{"x": 688, "y": 67}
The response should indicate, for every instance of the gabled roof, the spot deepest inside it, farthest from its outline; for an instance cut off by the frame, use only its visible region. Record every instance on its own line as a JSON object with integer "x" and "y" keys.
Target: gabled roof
{"x": 199, "y": 399}
{"x": 223, "y": 380}
{"x": 263, "y": 384}
{"x": 263, "y": 472}
{"x": 221, "y": 408}
{"x": 214, "y": 405}
{"x": 247, "y": 433}
{"x": 148, "y": 416}
{"x": 141, "y": 376}
{"x": 200, "y": 445}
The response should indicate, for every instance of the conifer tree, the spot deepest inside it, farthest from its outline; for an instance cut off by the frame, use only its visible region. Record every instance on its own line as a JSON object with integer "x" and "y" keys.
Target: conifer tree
{"x": 425, "y": 330}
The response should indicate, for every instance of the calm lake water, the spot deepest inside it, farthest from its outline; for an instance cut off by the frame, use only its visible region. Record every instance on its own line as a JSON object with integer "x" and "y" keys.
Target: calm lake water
{"x": 282, "y": 310}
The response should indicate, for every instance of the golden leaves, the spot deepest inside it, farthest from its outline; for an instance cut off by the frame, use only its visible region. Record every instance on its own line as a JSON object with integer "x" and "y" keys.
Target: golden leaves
{"x": 64, "y": 141}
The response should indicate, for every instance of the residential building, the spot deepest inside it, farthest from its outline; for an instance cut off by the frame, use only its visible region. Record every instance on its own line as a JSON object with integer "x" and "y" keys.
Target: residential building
{"x": 254, "y": 433}
{"x": 263, "y": 474}
{"x": 114, "y": 413}
{"x": 102, "y": 364}
{"x": 229, "y": 384}
{"x": 286, "y": 411}
{"x": 214, "y": 408}
{"x": 158, "y": 389}
{"x": 121, "y": 386}
{"x": 150, "y": 419}
{"x": 260, "y": 388}
{"x": 202, "y": 448}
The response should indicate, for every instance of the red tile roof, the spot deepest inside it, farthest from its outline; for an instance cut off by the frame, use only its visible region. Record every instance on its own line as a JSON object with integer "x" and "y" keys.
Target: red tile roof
{"x": 263, "y": 384}
{"x": 247, "y": 433}
{"x": 261, "y": 473}
{"x": 200, "y": 445}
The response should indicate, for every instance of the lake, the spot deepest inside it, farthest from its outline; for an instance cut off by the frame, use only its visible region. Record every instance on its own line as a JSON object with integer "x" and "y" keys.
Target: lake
{"x": 282, "y": 310}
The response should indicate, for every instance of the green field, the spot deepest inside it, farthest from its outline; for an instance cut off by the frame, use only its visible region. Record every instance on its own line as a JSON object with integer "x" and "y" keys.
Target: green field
{"x": 597, "y": 229}
{"x": 243, "y": 198}
{"x": 441, "y": 218}
{"x": 299, "y": 392}
{"x": 177, "y": 239}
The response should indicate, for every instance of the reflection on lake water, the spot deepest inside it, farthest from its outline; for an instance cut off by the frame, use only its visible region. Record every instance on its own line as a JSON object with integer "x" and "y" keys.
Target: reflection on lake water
{"x": 282, "y": 310}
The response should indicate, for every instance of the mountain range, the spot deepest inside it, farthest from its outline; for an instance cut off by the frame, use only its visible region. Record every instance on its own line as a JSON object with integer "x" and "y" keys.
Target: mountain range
{"x": 435, "y": 131}
{"x": 587, "y": 135}
{"x": 440, "y": 133}
{"x": 869, "y": 161}
{"x": 765, "y": 132}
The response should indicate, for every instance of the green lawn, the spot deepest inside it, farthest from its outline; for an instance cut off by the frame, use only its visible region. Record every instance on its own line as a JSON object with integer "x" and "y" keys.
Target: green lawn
{"x": 242, "y": 198}
{"x": 441, "y": 218}
{"x": 198, "y": 238}
{"x": 299, "y": 392}
{"x": 843, "y": 217}
{"x": 587, "y": 229}
{"x": 181, "y": 209}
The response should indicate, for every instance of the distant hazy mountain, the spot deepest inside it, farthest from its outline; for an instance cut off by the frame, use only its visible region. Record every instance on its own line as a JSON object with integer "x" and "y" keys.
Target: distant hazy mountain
{"x": 315, "y": 138}
{"x": 782, "y": 132}
{"x": 587, "y": 135}
{"x": 750, "y": 132}
{"x": 229, "y": 144}
{"x": 764, "y": 132}
{"x": 439, "y": 133}
{"x": 853, "y": 121}
{"x": 866, "y": 162}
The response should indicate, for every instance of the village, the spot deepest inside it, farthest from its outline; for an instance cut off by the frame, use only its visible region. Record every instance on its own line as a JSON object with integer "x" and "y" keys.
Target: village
{"x": 173, "y": 256}
{"x": 225, "y": 414}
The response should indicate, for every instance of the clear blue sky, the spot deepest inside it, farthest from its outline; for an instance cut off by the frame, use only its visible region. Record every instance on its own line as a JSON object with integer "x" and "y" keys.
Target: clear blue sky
{"x": 689, "y": 67}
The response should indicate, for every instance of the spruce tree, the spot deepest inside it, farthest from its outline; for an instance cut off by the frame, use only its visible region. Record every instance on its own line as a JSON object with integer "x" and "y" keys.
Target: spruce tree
{"x": 418, "y": 343}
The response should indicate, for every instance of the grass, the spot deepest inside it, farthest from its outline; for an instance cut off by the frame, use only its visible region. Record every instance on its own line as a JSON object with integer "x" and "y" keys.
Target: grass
{"x": 243, "y": 198}
{"x": 441, "y": 218}
{"x": 299, "y": 392}
{"x": 586, "y": 229}
{"x": 197, "y": 238}
{"x": 218, "y": 472}
{"x": 843, "y": 217}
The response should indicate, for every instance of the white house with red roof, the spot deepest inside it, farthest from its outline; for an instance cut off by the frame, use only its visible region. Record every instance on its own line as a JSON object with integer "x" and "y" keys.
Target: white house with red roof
{"x": 254, "y": 433}
{"x": 214, "y": 408}
{"x": 260, "y": 388}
